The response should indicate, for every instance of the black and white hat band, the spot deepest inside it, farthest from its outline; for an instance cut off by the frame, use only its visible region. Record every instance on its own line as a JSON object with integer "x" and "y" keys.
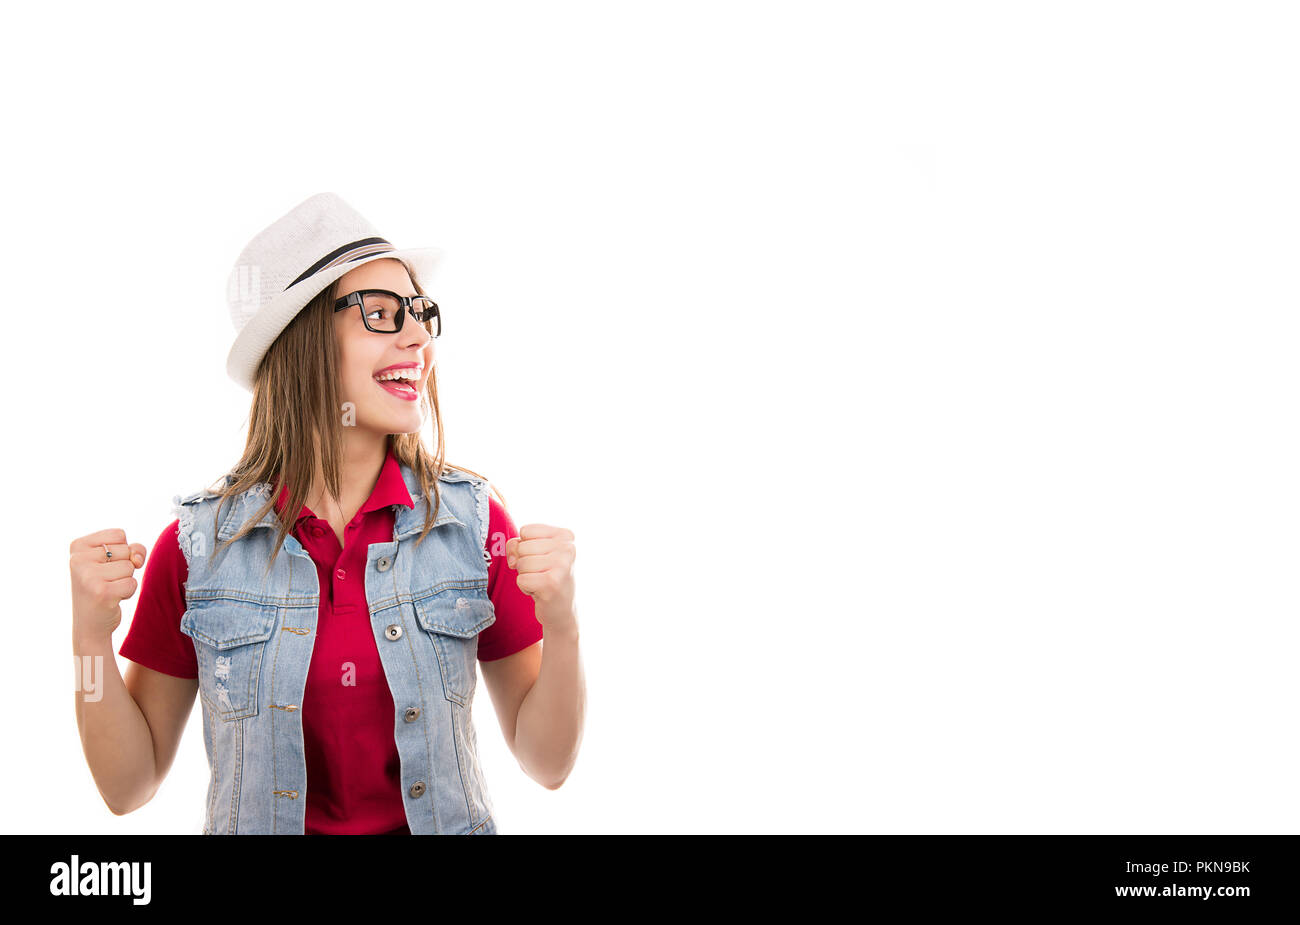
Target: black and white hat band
{"x": 345, "y": 254}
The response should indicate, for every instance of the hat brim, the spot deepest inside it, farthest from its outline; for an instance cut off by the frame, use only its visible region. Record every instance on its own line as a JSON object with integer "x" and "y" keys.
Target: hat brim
{"x": 256, "y": 337}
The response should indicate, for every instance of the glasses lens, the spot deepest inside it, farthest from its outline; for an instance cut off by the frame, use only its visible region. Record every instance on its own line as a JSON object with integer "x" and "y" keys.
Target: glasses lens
{"x": 427, "y": 311}
{"x": 382, "y": 311}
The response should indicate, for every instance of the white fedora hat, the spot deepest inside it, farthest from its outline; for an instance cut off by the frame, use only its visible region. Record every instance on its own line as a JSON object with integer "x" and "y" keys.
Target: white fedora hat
{"x": 292, "y": 261}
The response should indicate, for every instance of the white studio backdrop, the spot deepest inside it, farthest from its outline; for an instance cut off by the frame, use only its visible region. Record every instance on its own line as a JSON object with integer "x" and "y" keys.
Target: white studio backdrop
{"x": 917, "y": 379}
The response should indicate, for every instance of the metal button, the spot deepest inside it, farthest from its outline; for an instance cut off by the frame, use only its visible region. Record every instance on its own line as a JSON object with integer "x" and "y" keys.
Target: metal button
{"x": 383, "y": 563}
{"x": 393, "y": 631}
{"x": 461, "y": 602}
{"x": 412, "y": 714}
{"x": 340, "y": 574}
{"x": 417, "y": 788}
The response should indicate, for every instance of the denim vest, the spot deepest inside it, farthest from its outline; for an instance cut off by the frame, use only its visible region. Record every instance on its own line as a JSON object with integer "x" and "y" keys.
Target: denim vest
{"x": 254, "y": 637}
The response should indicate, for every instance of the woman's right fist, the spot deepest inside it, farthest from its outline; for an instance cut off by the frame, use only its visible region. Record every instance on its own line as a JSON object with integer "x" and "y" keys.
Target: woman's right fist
{"x": 99, "y": 583}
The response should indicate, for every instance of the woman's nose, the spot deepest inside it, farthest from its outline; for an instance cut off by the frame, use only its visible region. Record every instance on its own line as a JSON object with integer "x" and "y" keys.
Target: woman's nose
{"x": 414, "y": 334}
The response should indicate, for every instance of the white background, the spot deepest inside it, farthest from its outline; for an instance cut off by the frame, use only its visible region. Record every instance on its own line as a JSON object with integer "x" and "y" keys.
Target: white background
{"x": 917, "y": 378}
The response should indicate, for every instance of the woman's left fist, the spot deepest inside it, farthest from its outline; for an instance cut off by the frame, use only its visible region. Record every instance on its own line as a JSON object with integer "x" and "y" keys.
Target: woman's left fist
{"x": 543, "y": 557}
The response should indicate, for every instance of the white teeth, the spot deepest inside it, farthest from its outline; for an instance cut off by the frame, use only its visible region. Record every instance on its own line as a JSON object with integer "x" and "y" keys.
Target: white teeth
{"x": 411, "y": 374}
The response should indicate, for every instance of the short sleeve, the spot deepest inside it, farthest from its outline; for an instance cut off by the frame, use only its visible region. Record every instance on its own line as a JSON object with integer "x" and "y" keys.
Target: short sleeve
{"x": 516, "y": 626}
{"x": 155, "y": 639}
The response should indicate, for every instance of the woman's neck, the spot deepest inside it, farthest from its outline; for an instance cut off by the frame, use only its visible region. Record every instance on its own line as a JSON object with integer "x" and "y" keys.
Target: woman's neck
{"x": 363, "y": 460}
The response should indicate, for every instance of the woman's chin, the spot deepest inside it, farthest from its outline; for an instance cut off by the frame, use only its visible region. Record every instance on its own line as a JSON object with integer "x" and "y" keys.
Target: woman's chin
{"x": 412, "y": 428}
{"x": 388, "y": 420}
{"x": 407, "y": 422}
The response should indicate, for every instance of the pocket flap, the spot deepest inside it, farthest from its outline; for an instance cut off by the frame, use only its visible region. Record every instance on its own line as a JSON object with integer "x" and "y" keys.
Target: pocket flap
{"x": 456, "y": 612}
{"x": 226, "y": 623}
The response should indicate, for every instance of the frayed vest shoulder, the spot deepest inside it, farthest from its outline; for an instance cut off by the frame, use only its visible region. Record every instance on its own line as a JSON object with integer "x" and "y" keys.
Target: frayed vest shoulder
{"x": 253, "y": 633}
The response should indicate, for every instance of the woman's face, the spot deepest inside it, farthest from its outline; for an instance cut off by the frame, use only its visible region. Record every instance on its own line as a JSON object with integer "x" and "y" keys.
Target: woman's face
{"x": 364, "y": 354}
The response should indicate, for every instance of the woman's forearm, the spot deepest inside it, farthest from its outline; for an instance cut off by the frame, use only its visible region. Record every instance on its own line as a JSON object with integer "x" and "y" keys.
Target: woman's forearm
{"x": 115, "y": 736}
{"x": 549, "y": 728}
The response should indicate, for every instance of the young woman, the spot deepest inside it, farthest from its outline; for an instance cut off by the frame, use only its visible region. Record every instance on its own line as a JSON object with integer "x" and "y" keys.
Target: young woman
{"x": 335, "y": 652}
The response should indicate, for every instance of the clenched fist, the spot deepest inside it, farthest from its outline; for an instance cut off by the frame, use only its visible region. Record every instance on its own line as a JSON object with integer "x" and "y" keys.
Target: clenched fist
{"x": 543, "y": 556}
{"x": 100, "y": 583}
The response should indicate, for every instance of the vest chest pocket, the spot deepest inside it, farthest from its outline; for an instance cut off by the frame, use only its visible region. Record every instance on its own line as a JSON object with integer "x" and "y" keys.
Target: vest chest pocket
{"x": 452, "y": 620}
{"x": 229, "y": 641}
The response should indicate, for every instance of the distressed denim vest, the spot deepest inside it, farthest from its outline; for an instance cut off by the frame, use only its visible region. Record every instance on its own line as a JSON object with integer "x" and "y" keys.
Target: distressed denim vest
{"x": 253, "y": 637}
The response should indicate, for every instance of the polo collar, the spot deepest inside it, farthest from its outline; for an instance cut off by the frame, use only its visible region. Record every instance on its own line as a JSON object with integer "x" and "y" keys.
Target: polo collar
{"x": 390, "y": 489}
{"x": 397, "y": 486}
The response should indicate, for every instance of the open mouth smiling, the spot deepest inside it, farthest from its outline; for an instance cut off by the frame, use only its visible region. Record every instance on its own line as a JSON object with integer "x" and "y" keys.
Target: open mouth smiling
{"x": 401, "y": 380}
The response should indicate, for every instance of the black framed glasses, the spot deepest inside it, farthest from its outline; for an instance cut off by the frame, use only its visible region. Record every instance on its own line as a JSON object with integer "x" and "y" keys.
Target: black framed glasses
{"x": 384, "y": 312}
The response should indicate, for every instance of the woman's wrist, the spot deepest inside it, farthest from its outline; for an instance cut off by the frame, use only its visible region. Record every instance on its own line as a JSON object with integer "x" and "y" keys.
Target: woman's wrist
{"x": 90, "y": 643}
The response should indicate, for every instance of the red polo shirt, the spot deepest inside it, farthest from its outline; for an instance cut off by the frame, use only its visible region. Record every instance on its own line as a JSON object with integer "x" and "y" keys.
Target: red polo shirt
{"x": 353, "y": 782}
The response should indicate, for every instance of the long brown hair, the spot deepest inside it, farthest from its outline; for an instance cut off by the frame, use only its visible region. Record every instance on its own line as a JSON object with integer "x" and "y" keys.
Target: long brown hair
{"x": 296, "y": 419}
